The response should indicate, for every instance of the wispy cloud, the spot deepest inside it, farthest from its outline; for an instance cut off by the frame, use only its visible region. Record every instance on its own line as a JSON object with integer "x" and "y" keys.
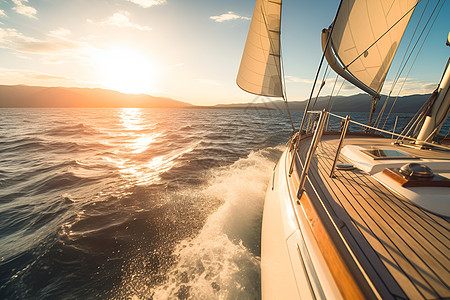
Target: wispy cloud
{"x": 13, "y": 39}
{"x": 228, "y": 17}
{"x": 53, "y": 48}
{"x": 43, "y": 76}
{"x": 121, "y": 20}
{"x": 60, "y": 32}
{"x": 410, "y": 86}
{"x": 2, "y": 13}
{"x": 12, "y": 76}
{"x": 147, "y": 3}
{"x": 24, "y": 9}
{"x": 297, "y": 79}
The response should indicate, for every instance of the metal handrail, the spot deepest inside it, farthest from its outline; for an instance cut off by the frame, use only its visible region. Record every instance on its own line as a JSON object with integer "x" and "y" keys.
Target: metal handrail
{"x": 392, "y": 133}
{"x": 341, "y": 141}
{"x": 315, "y": 141}
{"x": 318, "y": 135}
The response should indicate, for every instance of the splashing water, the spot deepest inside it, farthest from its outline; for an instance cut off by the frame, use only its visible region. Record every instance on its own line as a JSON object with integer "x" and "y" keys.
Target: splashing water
{"x": 222, "y": 261}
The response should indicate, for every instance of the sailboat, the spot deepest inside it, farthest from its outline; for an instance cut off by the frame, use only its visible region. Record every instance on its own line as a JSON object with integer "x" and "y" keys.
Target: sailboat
{"x": 353, "y": 214}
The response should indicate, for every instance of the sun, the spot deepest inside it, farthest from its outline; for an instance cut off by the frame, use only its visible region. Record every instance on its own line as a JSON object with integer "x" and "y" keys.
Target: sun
{"x": 126, "y": 70}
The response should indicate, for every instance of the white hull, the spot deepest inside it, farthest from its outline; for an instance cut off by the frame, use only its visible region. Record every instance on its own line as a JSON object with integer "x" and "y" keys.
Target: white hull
{"x": 359, "y": 240}
{"x": 291, "y": 264}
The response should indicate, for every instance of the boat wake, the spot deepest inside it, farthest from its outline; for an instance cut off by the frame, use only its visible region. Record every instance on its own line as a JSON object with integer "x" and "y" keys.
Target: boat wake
{"x": 222, "y": 261}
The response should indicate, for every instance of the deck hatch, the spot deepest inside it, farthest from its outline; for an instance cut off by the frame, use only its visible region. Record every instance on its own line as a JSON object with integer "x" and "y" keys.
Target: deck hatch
{"x": 377, "y": 153}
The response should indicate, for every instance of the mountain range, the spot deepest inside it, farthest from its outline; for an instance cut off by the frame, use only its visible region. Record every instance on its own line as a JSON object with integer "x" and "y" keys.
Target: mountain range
{"x": 37, "y": 96}
{"x": 354, "y": 103}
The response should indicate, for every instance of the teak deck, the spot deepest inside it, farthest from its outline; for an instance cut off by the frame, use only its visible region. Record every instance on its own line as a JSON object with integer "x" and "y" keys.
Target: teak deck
{"x": 403, "y": 248}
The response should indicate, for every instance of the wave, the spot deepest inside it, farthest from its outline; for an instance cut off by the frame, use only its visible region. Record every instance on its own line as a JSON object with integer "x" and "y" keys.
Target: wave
{"x": 23, "y": 144}
{"x": 36, "y": 145}
{"x": 80, "y": 129}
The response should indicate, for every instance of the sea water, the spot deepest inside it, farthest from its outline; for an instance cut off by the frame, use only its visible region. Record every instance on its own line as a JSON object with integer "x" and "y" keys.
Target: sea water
{"x": 136, "y": 203}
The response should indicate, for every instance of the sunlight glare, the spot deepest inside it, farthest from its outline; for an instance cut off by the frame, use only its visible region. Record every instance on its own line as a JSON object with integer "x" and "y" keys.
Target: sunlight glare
{"x": 126, "y": 70}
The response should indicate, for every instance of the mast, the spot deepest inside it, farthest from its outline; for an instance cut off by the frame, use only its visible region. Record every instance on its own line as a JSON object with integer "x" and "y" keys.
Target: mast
{"x": 440, "y": 109}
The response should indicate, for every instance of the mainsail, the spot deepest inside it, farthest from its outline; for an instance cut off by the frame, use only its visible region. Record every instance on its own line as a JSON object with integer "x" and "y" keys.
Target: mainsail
{"x": 260, "y": 69}
{"x": 364, "y": 40}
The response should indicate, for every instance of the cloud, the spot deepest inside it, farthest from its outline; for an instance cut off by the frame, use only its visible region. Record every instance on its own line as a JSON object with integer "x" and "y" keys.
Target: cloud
{"x": 53, "y": 48}
{"x": 347, "y": 86}
{"x": 298, "y": 80}
{"x": 23, "y": 9}
{"x": 409, "y": 86}
{"x": 43, "y": 76}
{"x": 228, "y": 17}
{"x": 2, "y": 13}
{"x": 60, "y": 32}
{"x": 15, "y": 76}
{"x": 12, "y": 39}
{"x": 147, "y": 3}
{"x": 121, "y": 20}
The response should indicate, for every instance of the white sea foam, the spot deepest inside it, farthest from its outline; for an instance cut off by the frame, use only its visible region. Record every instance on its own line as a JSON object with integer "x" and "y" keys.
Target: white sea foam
{"x": 218, "y": 264}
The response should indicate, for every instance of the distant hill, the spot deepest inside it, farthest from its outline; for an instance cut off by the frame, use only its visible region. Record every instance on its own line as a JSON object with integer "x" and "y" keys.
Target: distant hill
{"x": 354, "y": 103}
{"x": 35, "y": 96}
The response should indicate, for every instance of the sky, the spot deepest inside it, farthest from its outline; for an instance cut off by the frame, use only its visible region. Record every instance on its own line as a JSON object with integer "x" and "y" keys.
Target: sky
{"x": 188, "y": 50}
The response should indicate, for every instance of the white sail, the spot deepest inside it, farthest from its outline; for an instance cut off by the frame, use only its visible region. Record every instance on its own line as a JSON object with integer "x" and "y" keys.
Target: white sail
{"x": 366, "y": 36}
{"x": 260, "y": 69}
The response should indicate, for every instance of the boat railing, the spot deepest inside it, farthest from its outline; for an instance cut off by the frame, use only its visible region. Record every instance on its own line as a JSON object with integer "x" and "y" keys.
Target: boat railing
{"x": 315, "y": 127}
{"x": 391, "y": 133}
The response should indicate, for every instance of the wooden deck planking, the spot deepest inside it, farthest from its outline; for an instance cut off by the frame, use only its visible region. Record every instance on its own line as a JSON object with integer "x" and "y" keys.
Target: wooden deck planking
{"x": 380, "y": 240}
{"x": 418, "y": 260}
{"x": 375, "y": 243}
{"x": 426, "y": 219}
{"x": 366, "y": 253}
{"x": 406, "y": 243}
{"x": 434, "y": 248}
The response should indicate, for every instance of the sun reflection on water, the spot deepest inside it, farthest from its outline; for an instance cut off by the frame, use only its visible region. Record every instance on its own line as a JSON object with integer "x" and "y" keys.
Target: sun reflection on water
{"x": 139, "y": 157}
{"x": 131, "y": 118}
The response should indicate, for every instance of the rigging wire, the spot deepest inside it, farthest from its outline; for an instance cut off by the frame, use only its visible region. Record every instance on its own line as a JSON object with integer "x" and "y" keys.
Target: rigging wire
{"x": 400, "y": 69}
{"x": 318, "y": 70}
{"x": 332, "y": 90}
{"x": 417, "y": 118}
{"x": 417, "y": 54}
{"x": 334, "y": 100}
{"x": 284, "y": 93}
{"x": 443, "y": 139}
{"x": 325, "y": 76}
{"x": 329, "y": 99}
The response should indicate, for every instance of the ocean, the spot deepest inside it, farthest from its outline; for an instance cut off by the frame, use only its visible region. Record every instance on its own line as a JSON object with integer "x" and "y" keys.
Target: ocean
{"x": 136, "y": 203}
